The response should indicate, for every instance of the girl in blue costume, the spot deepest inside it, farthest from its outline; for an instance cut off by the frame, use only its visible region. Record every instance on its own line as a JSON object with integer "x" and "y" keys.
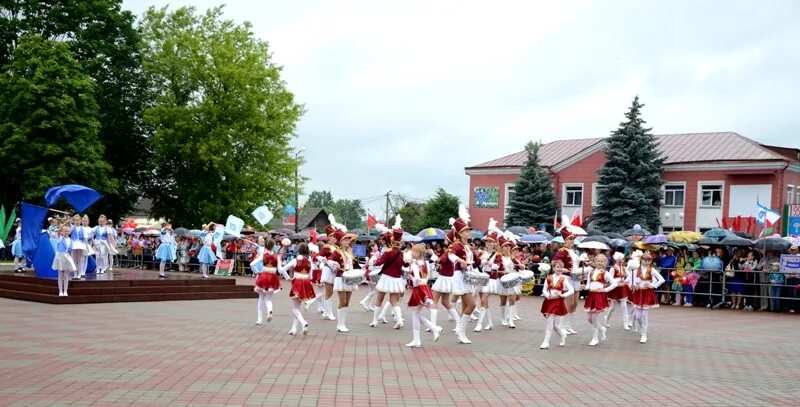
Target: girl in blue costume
{"x": 167, "y": 249}
{"x": 207, "y": 257}
{"x": 62, "y": 262}
{"x": 16, "y": 248}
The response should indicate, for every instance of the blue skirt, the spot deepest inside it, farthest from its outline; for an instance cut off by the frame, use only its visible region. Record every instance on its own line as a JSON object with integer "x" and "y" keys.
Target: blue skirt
{"x": 16, "y": 249}
{"x": 166, "y": 252}
{"x": 206, "y": 256}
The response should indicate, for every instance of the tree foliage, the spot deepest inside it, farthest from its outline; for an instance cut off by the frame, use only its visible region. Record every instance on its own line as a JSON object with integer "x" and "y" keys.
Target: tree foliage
{"x": 222, "y": 117}
{"x": 629, "y": 189}
{"x": 533, "y": 201}
{"x": 349, "y": 212}
{"x": 48, "y": 122}
{"x": 439, "y": 209}
{"x": 320, "y": 199}
{"x": 103, "y": 40}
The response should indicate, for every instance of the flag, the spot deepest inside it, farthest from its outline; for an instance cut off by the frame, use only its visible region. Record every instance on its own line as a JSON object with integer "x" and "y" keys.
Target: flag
{"x": 313, "y": 235}
{"x": 724, "y": 222}
{"x": 737, "y": 223}
{"x": 766, "y": 215}
{"x": 234, "y": 225}
{"x": 556, "y": 225}
{"x": 749, "y": 224}
{"x": 576, "y": 218}
{"x": 370, "y": 220}
{"x": 262, "y": 215}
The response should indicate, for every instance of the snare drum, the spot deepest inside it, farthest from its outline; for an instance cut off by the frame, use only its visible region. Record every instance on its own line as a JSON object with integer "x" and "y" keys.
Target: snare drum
{"x": 510, "y": 280}
{"x": 476, "y": 278}
{"x": 353, "y": 277}
{"x": 375, "y": 276}
{"x": 526, "y": 276}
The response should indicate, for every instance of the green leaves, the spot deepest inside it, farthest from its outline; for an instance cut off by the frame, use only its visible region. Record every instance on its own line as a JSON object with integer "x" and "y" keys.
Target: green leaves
{"x": 439, "y": 209}
{"x": 533, "y": 201}
{"x": 222, "y": 118}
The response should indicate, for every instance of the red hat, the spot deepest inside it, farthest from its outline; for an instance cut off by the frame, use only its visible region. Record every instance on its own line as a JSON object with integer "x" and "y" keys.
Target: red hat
{"x": 338, "y": 234}
{"x": 565, "y": 258}
{"x": 397, "y": 230}
{"x": 450, "y": 236}
{"x": 329, "y": 229}
{"x": 462, "y": 223}
{"x": 566, "y": 233}
{"x": 491, "y": 236}
{"x": 502, "y": 241}
{"x": 492, "y": 231}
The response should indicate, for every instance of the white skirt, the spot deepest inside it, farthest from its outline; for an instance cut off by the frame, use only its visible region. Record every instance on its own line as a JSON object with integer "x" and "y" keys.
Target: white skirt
{"x": 78, "y": 245}
{"x": 443, "y": 284}
{"x": 391, "y": 285}
{"x": 339, "y": 285}
{"x": 459, "y": 286}
{"x": 493, "y": 287}
{"x": 63, "y": 262}
{"x": 328, "y": 275}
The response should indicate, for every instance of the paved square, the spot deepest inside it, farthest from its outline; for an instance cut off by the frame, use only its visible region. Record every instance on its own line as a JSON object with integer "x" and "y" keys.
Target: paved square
{"x": 211, "y": 353}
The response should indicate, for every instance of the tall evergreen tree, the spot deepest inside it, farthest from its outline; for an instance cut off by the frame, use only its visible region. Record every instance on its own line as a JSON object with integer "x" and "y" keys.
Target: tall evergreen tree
{"x": 533, "y": 201}
{"x": 629, "y": 189}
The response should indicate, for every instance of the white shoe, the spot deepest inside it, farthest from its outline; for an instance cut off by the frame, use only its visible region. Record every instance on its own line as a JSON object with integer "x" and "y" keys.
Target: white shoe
{"x": 602, "y": 333}
{"x": 594, "y": 342}
{"x": 305, "y": 329}
{"x": 383, "y": 320}
{"x": 437, "y": 332}
{"x": 259, "y": 322}
{"x": 269, "y": 317}
{"x": 398, "y": 324}
{"x": 366, "y": 308}
{"x": 477, "y": 328}
{"x": 504, "y": 322}
{"x": 488, "y": 327}
{"x": 342, "y": 329}
{"x": 464, "y": 340}
{"x": 644, "y": 339}
{"x": 627, "y": 327}
{"x": 413, "y": 344}
{"x": 293, "y": 333}
{"x": 571, "y": 331}
{"x": 563, "y": 340}
{"x": 373, "y": 324}
{"x": 544, "y": 345}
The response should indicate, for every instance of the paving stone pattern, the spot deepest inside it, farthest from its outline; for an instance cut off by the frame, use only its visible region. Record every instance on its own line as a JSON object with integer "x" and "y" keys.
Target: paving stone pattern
{"x": 211, "y": 353}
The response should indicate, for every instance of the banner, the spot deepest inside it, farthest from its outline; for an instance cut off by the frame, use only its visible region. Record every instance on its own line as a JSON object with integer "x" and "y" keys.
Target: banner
{"x": 262, "y": 215}
{"x": 486, "y": 197}
{"x": 792, "y": 220}
{"x": 289, "y": 214}
{"x": 790, "y": 263}
{"x": 224, "y": 267}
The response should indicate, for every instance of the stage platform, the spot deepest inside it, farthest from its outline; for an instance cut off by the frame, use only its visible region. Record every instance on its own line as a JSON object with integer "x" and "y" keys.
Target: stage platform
{"x": 124, "y": 285}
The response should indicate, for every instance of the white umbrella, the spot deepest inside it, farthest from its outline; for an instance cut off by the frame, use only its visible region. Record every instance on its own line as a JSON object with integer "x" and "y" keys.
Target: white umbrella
{"x": 594, "y": 245}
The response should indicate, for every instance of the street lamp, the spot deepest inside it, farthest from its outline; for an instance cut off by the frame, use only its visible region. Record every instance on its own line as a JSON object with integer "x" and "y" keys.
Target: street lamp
{"x": 297, "y": 189}
{"x": 680, "y": 216}
{"x": 667, "y": 215}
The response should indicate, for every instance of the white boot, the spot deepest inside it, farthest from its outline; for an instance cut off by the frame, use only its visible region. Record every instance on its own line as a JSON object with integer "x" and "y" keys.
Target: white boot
{"x": 602, "y": 333}
{"x": 329, "y": 305}
{"x": 434, "y": 314}
{"x": 594, "y": 341}
{"x": 605, "y": 319}
{"x": 489, "y": 324}
{"x": 454, "y": 317}
{"x": 295, "y": 323}
{"x": 462, "y": 327}
{"x": 375, "y": 312}
{"x": 546, "y": 343}
{"x": 416, "y": 343}
{"x": 384, "y": 310}
{"x": 342, "y": 315}
{"x": 514, "y": 313}
{"x": 644, "y": 335}
{"x": 398, "y": 314}
{"x": 481, "y": 316}
{"x": 504, "y": 313}
{"x": 563, "y": 335}
{"x": 510, "y": 316}
{"x": 568, "y": 324}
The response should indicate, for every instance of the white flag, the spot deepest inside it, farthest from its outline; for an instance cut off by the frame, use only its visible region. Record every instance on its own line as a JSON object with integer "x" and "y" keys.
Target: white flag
{"x": 234, "y": 226}
{"x": 262, "y": 215}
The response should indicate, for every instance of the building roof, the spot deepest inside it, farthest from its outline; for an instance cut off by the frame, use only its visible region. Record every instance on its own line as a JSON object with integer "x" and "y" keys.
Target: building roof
{"x": 677, "y": 148}
{"x": 307, "y": 217}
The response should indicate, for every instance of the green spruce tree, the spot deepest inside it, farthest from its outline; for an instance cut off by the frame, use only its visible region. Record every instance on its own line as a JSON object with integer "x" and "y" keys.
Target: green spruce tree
{"x": 533, "y": 201}
{"x": 630, "y": 181}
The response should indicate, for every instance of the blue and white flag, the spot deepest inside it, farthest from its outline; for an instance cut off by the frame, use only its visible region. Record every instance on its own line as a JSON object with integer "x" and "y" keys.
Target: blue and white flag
{"x": 263, "y": 215}
{"x": 234, "y": 226}
{"x": 766, "y": 216}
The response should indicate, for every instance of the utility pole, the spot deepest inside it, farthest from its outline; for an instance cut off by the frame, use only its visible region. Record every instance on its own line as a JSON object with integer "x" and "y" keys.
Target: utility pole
{"x": 387, "y": 208}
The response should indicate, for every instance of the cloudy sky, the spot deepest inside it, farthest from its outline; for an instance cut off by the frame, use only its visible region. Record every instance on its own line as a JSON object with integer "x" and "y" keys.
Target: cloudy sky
{"x": 403, "y": 95}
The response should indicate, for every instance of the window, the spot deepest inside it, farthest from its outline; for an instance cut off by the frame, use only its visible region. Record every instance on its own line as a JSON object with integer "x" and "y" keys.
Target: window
{"x": 711, "y": 196}
{"x": 673, "y": 194}
{"x": 667, "y": 229}
{"x": 509, "y": 195}
{"x": 790, "y": 194}
{"x": 573, "y": 195}
{"x": 596, "y": 194}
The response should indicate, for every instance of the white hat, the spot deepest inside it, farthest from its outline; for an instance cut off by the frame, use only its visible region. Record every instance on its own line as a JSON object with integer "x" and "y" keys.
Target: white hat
{"x": 544, "y": 267}
{"x": 618, "y": 256}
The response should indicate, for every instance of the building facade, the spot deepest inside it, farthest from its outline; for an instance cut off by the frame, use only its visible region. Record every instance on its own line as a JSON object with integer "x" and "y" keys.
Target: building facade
{"x": 707, "y": 177}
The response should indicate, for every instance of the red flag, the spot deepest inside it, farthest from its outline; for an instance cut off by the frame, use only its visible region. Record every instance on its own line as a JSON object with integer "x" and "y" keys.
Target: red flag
{"x": 313, "y": 235}
{"x": 370, "y": 220}
{"x": 556, "y": 225}
{"x": 751, "y": 225}
{"x": 724, "y": 222}
{"x": 576, "y": 218}
{"x": 737, "y": 223}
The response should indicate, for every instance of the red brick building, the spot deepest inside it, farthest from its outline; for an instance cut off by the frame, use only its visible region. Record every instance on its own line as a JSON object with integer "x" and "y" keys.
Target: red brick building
{"x": 707, "y": 176}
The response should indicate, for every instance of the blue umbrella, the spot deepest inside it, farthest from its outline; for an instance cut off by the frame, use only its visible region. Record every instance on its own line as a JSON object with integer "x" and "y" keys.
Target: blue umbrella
{"x": 548, "y": 236}
{"x": 518, "y": 230}
{"x": 533, "y": 238}
{"x": 431, "y": 234}
{"x": 408, "y": 237}
{"x": 719, "y": 234}
{"x": 476, "y": 234}
{"x": 655, "y": 239}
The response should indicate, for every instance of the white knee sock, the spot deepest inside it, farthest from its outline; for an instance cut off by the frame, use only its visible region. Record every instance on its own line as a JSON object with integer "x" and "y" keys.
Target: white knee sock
{"x": 161, "y": 267}
{"x": 398, "y": 313}
{"x": 489, "y": 317}
{"x": 434, "y": 315}
{"x": 268, "y": 302}
{"x": 454, "y": 314}
{"x": 62, "y": 275}
{"x": 260, "y": 307}
{"x": 643, "y": 321}
{"x": 415, "y": 318}
{"x": 204, "y": 269}
{"x": 385, "y": 309}
{"x": 624, "y": 305}
{"x": 298, "y": 315}
{"x": 611, "y": 309}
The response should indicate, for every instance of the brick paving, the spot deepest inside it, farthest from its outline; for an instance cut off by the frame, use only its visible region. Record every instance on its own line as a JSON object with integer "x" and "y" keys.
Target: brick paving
{"x": 211, "y": 353}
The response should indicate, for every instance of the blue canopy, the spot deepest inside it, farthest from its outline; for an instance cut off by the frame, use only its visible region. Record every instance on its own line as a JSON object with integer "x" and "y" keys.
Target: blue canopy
{"x": 79, "y": 196}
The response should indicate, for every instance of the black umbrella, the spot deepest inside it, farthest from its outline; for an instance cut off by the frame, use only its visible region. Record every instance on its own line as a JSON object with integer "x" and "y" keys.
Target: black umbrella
{"x": 518, "y": 230}
{"x": 594, "y": 232}
{"x": 545, "y": 234}
{"x": 614, "y": 235}
{"x": 298, "y": 236}
{"x": 181, "y": 232}
{"x": 636, "y": 230}
{"x": 742, "y": 234}
{"x": 708, "y": 241}
{"x": 736, "y": 241}
{"x": 365, "y": 238}
{"x": 596, "y": 238}
{"x": 772, "y": 243}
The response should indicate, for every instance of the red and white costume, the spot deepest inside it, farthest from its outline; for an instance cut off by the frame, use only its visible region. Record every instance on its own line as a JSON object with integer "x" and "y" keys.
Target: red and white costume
{"x": 267, "y": 280}
{"x": 599, "y": 282}
{"x": 460, "y": 251}
{"x": 620, "y": 294}
{"x": 302, "y": 289}
{"x": 391, "y": 263}
{"x": 446, "y": 268}
{"x": 421, "y": 296}
{"x": 556, "y": 288}
{"x": 645, "y": 282}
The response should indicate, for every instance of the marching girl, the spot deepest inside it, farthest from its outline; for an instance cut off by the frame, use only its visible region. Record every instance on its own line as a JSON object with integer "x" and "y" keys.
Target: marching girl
{"x": 421, "y": 296}
{"x": 16, "y": 248}
{"x": 316, "y": 278}
{"x": 372, "y": 256}
{"x": 302, "y": 290}
{"x": 63, "y": 262}
{"x": 631, "y": 267}
{"x": 207, "y": 257}
{"x": 80, "y": 248}
{"x": 519, "y": 264}
{"x": 386, "y": 238}
{"x": 645, "y": 282}
{"x": 391, "y": 282}
{"x": 443, "y": 286}
{"x": 599, "y": 282}
{"x": 575, "y": 273}
{"x": 328, "y": 274}
{"x": 619, "y": 295}
{"x": 491, "y": 253}
{"x": 556, "y": 287}
{"x": 102, "y": 244}
{"x": 505, "y": 264}
{"x": 167, "y": 250}
{"x": 267, "y": 283}
{"x": 341, "y": 261}
{"x": 464, "y": 259}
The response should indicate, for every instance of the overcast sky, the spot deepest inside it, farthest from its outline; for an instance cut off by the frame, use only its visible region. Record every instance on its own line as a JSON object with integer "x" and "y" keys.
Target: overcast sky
{"x": 403, "y": 95}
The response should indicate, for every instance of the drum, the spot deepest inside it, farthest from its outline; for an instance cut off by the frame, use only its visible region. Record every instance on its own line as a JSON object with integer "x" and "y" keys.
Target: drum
{"x": 510, "y": 280}
{"x": 353, "y": 277}
{"x": 375, "y": 276}
{"x": 476, "y": 278}
{"x": 526, "y": 276}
